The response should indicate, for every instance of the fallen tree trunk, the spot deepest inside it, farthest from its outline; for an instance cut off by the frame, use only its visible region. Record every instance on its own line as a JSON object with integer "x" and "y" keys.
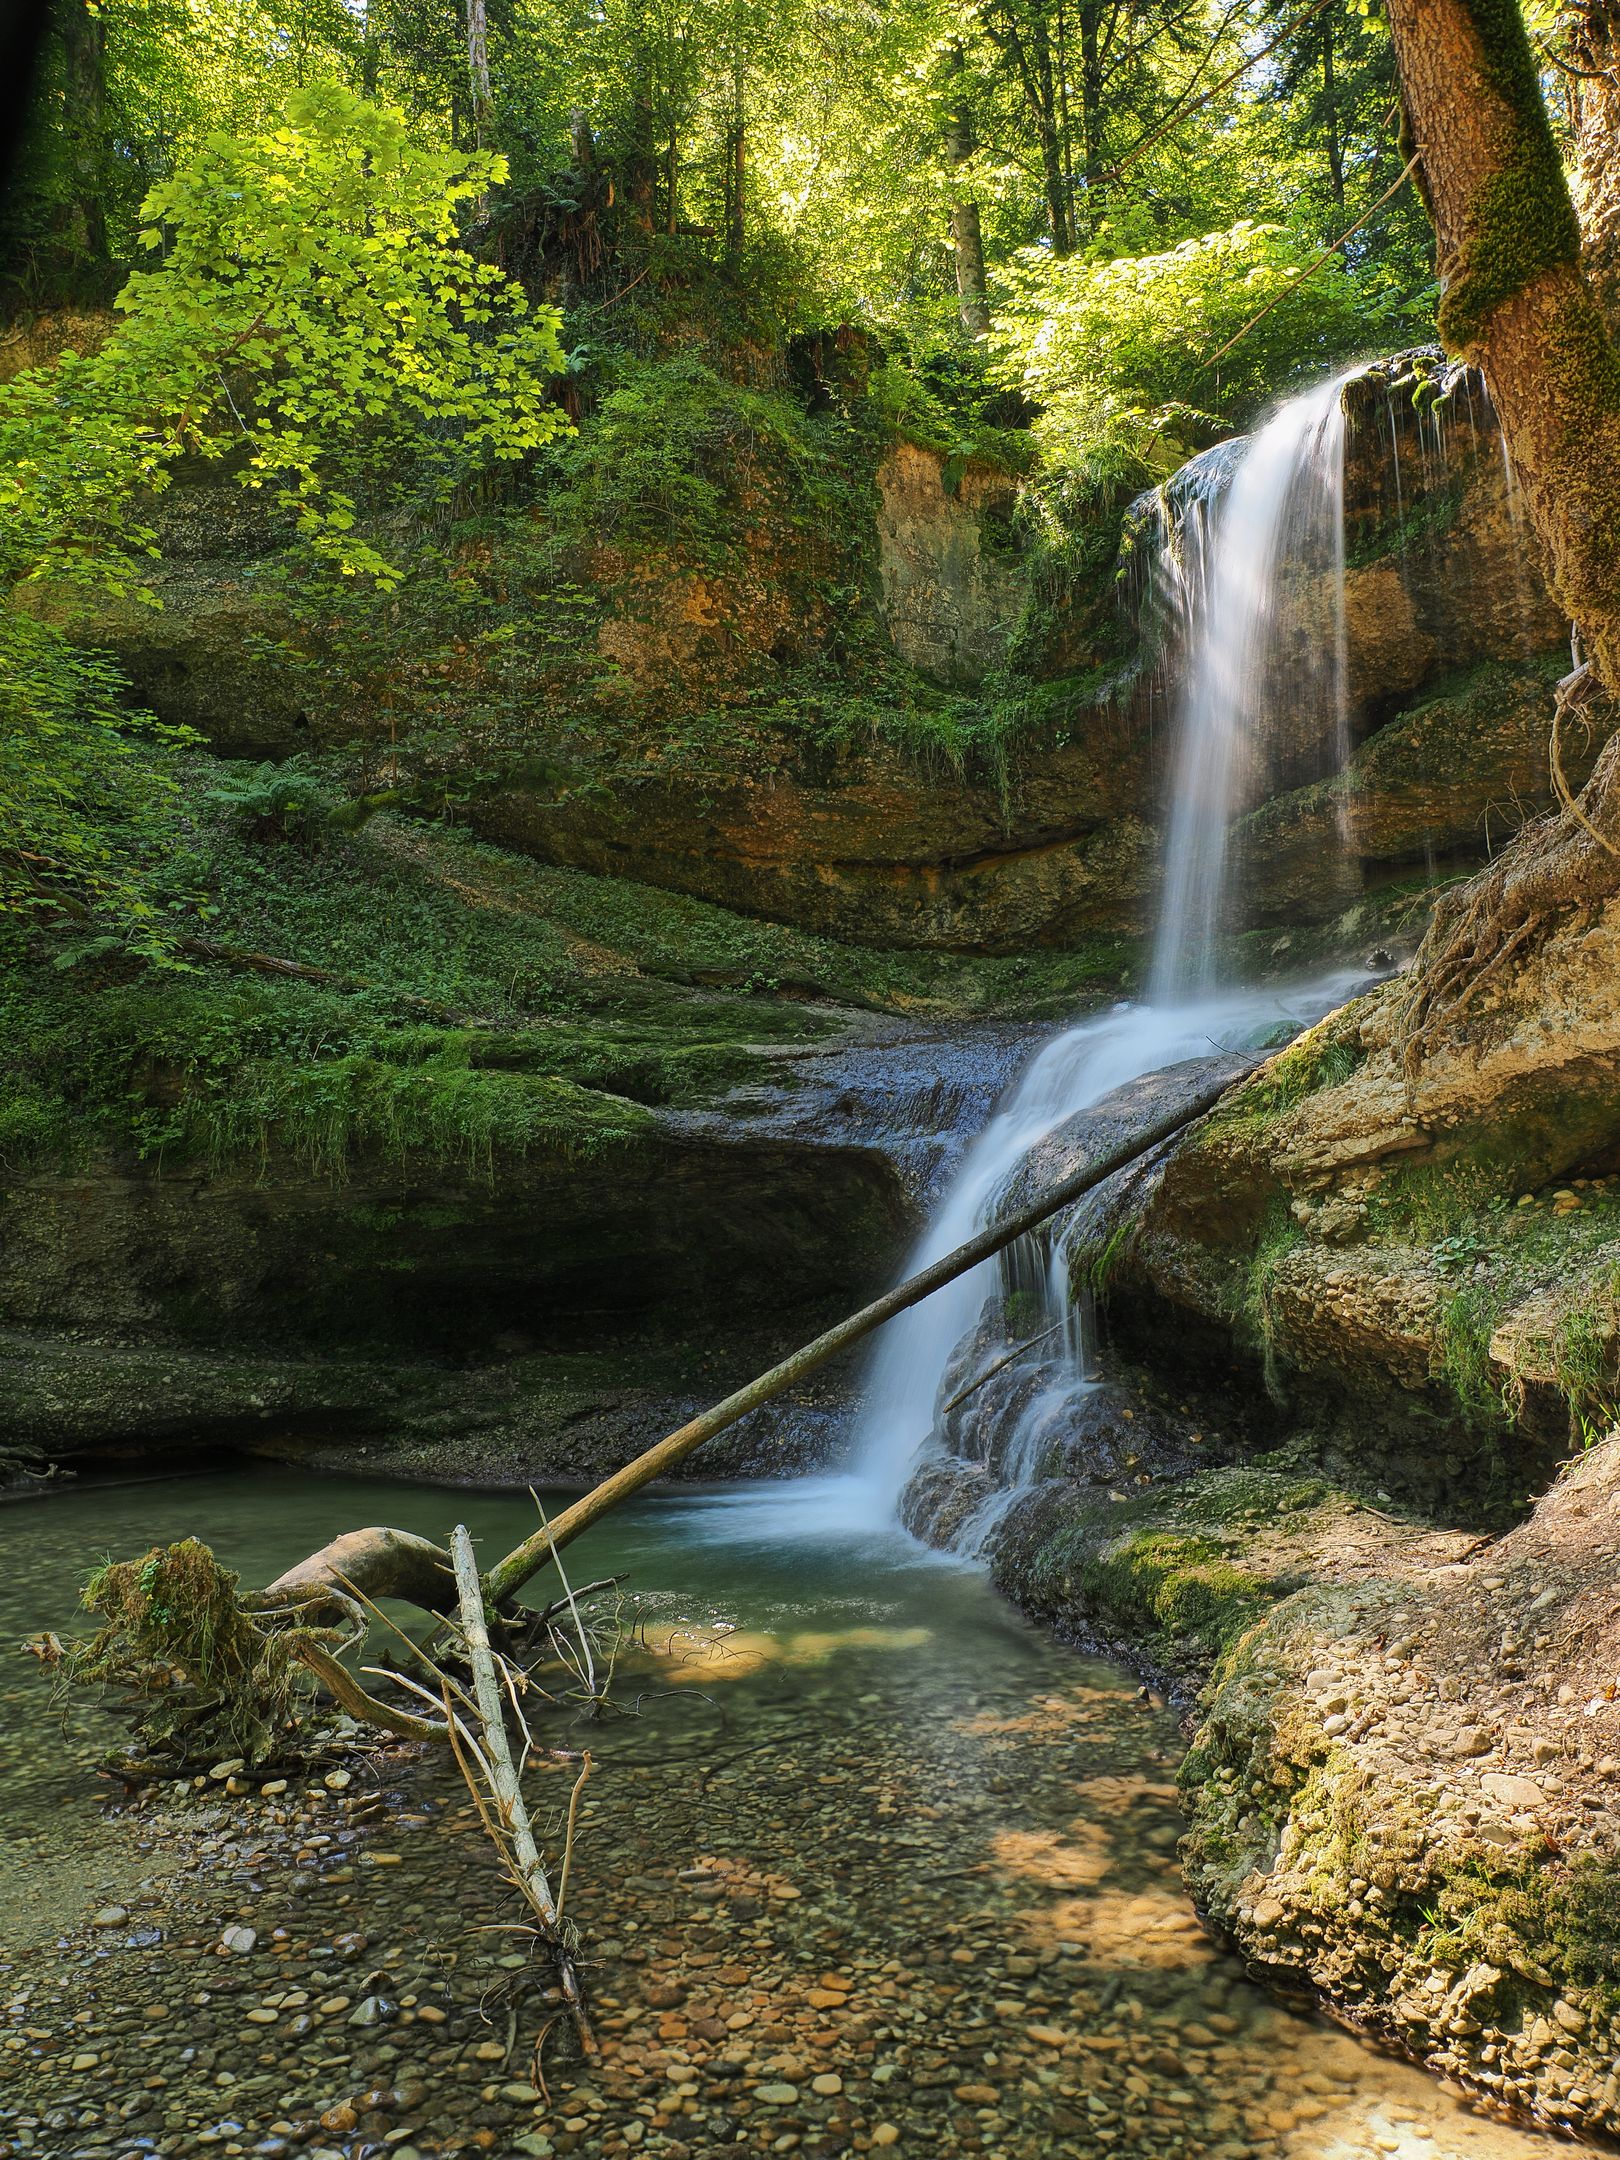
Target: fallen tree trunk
{"x": 376, "y": 1563}
{"x": 509, "y": 1575}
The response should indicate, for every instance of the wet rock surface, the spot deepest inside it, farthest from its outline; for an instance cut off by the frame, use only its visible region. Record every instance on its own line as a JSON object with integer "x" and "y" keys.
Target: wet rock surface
{"x": 1416, "y": 1259}
{"x": 182, "y": 1312}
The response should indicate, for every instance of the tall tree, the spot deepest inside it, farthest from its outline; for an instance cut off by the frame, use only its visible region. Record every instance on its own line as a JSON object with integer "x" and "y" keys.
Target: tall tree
{"x": 1593, "y": 33}
{"x": 483, "y": 100}
{"x": 967, "y": 234}
{"x": 1516, "y": 297}
{"x": 84, "y": 43}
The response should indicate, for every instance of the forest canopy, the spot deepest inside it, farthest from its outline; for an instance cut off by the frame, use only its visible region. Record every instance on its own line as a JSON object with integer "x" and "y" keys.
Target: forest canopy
{"x": 830, "y": 141}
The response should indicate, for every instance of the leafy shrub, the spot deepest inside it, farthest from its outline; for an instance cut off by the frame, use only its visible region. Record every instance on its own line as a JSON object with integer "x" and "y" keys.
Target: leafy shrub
{"x": 673, "y": 452}
{"x": 1118, "y": 353}
{"x": 85, "y": 808}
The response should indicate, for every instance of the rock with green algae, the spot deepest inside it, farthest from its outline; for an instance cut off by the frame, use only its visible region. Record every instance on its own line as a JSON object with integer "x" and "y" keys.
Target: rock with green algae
{"x": 1404, "y": 1790}
{"x": 1422, "y": 1263}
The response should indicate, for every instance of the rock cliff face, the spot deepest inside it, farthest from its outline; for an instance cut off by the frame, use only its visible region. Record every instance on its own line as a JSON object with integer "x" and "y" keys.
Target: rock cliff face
{"x": 453, "y": 1315}
{"x": 1421, "y": 1257}
{"x": 951, "y": 584}
{"x": 1404, "y": 1793}
{"x": 1452, "y": 644}
{"x": 994, "y": 840}
{"x": 1403, "y": 1781}
{"x": 872, "y": 847}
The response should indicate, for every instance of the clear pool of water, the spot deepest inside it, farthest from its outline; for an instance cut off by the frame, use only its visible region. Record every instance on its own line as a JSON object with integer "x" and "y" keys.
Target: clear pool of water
{"x": 858, "y": 1835}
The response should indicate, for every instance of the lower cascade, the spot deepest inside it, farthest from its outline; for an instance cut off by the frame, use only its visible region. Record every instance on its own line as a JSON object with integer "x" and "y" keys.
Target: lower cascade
{"x": 1245, "y": 529}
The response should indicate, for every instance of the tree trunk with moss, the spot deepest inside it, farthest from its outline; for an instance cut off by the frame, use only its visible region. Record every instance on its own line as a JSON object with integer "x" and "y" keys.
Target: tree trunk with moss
{"x": 967, "y": 237}
{"x": 1516, "y": 297}
{"x": 84, "y": 38}
{"x": 1594, "y": 53}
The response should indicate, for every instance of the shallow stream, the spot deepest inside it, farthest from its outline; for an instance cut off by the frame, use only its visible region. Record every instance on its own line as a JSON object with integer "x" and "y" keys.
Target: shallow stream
{"x": 868, "y": 1864}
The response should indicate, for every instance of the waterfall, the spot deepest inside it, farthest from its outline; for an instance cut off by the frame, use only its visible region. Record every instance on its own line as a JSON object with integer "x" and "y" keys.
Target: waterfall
{"x": 903, "y": 1383}
{"x": 1233, "y": 527}
{"x": 1282, "y": 508}
{"x": 1240, "y": 521}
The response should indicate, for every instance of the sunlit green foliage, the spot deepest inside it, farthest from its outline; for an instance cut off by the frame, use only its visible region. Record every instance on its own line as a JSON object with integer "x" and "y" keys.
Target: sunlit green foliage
{"x": 315, "y": 266}
{"x": 1126, "y": 355}
{"x": 313, "y": 319}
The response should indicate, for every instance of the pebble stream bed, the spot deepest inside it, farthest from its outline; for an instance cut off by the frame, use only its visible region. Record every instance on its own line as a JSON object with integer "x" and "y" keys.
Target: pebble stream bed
{"x": 868, "y": 1865}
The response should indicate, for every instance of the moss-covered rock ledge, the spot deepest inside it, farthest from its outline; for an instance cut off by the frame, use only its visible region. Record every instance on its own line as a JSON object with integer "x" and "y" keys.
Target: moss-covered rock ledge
{"x": 1403, "y": 1788}
{"x": 420, "y": 1152}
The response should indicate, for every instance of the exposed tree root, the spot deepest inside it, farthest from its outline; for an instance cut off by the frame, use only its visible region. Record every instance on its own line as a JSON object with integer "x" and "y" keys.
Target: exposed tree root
{"x": 1565, "y": 863}
{"x": 365, "y": 1708}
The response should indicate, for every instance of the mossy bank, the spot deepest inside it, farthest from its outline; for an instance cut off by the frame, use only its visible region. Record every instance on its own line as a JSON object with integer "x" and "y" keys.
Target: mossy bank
{"x": 1403, "y": 1784}
{"x": 415, "y": 1124}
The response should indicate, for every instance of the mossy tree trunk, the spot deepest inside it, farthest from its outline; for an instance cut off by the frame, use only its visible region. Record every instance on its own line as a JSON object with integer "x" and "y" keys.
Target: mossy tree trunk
{"x": 84, "y": 36}
{"x": 1594, "y": 52}
{"x": 1516, "y": 297}
{"x": 967, "y": 237}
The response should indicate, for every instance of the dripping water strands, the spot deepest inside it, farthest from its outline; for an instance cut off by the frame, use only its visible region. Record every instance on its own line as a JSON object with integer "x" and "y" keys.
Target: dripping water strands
{"x": 1257, "y": 572}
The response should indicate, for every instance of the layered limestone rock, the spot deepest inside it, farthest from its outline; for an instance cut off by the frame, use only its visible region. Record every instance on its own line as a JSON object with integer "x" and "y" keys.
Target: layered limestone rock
{"x": 442, "y": 1319}
{"x": 424, "y": 1321}
{"x": 1446, "y": 782}
{"x": 866, "y": 846}
{"x": 952, "y": 586}
{"x": 1420, "y": 1258}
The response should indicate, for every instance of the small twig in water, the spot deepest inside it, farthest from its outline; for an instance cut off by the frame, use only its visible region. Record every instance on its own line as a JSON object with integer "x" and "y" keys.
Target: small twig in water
{"x": 1001, "y": 1364}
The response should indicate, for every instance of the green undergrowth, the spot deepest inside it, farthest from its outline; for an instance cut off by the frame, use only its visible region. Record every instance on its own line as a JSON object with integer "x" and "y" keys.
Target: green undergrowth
{"x": 505, "y": 640}
{"x": 466, "y": 1006}
{"x": 683, "y": 588}
{"x": 1324, "y": 1056}
{"x": 1492, "y": 1256}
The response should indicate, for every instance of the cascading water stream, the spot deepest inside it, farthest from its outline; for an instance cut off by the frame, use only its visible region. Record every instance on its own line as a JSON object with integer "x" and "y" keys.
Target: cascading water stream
{"x": 1279, "y": 505}
{"x": 1282, "y": 508}
{"x": 1242, "y": 521}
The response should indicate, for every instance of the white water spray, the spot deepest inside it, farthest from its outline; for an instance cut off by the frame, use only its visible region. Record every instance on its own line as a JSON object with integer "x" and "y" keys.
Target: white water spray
{"x": 1070, "y": 1074}
{"x": 1244, "y": 518}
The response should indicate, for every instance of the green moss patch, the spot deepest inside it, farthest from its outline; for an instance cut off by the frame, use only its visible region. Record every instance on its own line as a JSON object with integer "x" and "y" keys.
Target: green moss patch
{"x": 1175, "y": 1574}
{"x": 461, "y": 1004}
